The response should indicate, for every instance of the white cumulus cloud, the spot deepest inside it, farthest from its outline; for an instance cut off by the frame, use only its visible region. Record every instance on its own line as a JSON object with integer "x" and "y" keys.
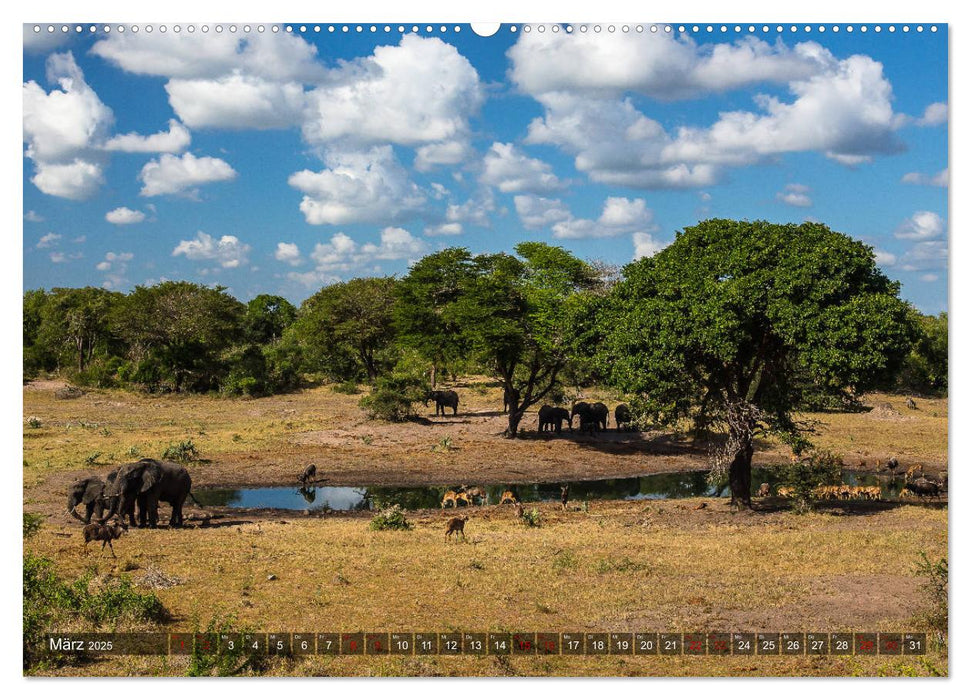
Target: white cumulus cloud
{"x": 288, "y": 253}
{"x": 228, "y": 251}
{"x": 64, "y": 130}
{"x": 511, "y": 170}
{"x": 48, "y": 240}
{"x": 175, "y": 140}
{"x": 343, "y": 254}
{"x": 123, "y": 216}
{"x": 940, "y": 179}
{"x": 421, "y": 91}
{"x": 841, "y": 108}
{"x": 537, "y": 213}
{"x": 795, "y": 195}
{"x": 358, "y": 186}
{"x": 182, "y": 174}
{"x": 620, "y": 215}
{"x": 646, "y": 246}
{"x": 921, "y": 225}
{"x": 934, "y": 114}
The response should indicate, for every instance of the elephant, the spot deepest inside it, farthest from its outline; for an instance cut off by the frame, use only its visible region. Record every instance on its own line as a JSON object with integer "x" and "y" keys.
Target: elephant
{"x": 89, "y": 492}
{"x": 552, "y": 417}
{"x": 147, "y": 482}
{"x": 581, "y": 410}
{"x": 601, "y": 414}
{"x": 592, "y": 416}
{"x": 623, "y": 417}
{"x": 443, "y": 399}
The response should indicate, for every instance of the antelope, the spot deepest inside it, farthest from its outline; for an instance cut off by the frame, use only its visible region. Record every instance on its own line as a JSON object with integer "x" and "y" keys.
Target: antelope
{"x": 104, "y": 534}
{"x": 456, "y": 525}
{"x": 308, "y": 474}
{"x": 508, "y": 497}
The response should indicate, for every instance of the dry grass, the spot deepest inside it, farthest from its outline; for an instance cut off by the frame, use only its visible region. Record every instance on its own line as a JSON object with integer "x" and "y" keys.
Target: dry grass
{"x": 619, "y": 567}
{"x": 622, "y": 566}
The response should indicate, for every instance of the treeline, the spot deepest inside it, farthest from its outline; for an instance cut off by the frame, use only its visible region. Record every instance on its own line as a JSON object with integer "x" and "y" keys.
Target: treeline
{"x": 528, "y": 319}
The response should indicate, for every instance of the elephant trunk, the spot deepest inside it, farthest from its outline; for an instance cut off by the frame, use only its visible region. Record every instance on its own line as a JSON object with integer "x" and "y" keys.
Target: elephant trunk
{"x": 72, "y": 503}
{"x": 112, "y": 508}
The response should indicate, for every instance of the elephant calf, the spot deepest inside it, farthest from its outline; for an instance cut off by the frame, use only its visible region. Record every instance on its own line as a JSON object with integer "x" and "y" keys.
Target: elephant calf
{"x": 552, "y": 418}
{"x": 88, "y": 492}
{"x": 443, "y": 399}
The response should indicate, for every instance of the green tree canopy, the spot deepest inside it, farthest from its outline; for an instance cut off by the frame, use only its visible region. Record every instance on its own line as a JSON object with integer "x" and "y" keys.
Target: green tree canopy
{"x": 348, "y": 328}
{"x": 267, "y": 317}
{"x": 736, "y": 320}
{"x": 424, "y": 305}
{"x": 70, "y": 326}
{"x": 512, "y": 311}
{"x": 925, "y": 369}
{"x": 177, "y": 331}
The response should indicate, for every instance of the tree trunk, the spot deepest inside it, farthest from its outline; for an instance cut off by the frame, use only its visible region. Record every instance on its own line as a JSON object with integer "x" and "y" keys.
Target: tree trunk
{"x": 515, "y": 416}
{"x": 434, "y": 374}
{"x": 516, "y": 412}
{"x": 740, "y": 475}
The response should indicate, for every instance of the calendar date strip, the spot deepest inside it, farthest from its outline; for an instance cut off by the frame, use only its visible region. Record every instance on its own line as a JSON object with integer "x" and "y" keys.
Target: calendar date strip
{"x": 295, "y": 644}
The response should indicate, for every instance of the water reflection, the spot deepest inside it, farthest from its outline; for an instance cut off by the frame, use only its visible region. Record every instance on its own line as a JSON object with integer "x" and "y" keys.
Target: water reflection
{"x": 650, "y": 487}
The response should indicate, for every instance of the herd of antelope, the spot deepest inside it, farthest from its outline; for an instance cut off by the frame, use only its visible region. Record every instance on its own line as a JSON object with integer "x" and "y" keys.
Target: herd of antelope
{"x": 841, "y": 492}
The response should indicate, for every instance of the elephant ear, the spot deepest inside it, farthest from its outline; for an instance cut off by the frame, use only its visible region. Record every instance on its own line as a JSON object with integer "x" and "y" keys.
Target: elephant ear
{"x": 150, "y": 477}
{"x": 92, "y": 491}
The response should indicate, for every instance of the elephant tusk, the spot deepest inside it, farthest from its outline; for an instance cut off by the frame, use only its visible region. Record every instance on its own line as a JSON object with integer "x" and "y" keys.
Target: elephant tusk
{"x": 74, "y": 513}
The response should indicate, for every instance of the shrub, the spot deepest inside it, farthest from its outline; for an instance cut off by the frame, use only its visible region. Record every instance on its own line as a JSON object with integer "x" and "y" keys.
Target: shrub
{"x": 218, "y": 659}
{"x": 392, "y": 518}
{"x": 50, "y": 602}
{"x": 393, "y": 397}
{"x": 935, "y": 585}
{"x": 184, "y": 452}
{"x": 346, "y": 387}
{"x": 819, "y": 468}
{"x": 34, "y": 422}
{"x": 531, "y": 518}
{"x": 32, "y": 523}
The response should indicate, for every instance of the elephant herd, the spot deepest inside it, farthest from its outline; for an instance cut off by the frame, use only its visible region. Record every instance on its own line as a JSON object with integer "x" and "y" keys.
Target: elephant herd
{"x": 143, "y": 484}
{"x": 592, "y": 417}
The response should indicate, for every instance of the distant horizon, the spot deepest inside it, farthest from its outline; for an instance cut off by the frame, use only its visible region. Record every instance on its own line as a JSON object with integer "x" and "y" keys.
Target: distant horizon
{"x": 280, "y": 162}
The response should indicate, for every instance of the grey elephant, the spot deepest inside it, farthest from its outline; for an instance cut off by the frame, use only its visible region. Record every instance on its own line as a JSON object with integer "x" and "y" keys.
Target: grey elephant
{"x": 147, "y": 482}
{"x": 443, "y": 399}
{"x": 601, "y": 414}
{"x": 623, "y": 418}
{"x": 592, "y": 416}
{"x": 88, "y": 492}
{"x": 581, "y": 411}
{"x": 552, "y": 418}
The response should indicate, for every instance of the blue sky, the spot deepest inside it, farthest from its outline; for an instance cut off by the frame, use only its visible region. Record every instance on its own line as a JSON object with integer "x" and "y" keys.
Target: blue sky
{"x": 282, "y": 162}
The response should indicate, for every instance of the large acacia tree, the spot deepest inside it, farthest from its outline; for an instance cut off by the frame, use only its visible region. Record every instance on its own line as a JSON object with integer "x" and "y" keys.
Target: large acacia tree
{"x": 513, "y": 312}
{"x": 735, "y": 322}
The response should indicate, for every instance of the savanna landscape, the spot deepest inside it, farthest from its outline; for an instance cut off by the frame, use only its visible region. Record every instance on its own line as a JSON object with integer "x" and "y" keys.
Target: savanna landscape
{"x": 250, "y": 395}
